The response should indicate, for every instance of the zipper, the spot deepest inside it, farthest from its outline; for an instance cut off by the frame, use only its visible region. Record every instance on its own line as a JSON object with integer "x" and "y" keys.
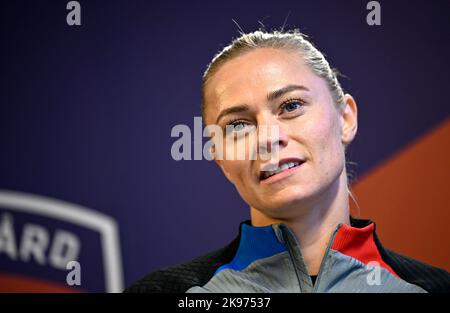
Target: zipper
{"x": 289, "y": 246}
{"x": 325, "y": 257}
{"x": 288, "y": 237}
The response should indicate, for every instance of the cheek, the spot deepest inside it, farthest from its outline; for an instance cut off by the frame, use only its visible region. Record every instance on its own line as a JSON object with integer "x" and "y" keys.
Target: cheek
{"x": 237, "y": 170}
{"x": 324, "y": 138}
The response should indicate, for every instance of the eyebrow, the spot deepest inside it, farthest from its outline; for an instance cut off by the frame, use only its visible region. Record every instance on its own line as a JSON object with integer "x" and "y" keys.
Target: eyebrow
{"x": 230, "y": 110}
{"x": 270, "y": 97}
{"x": 278, "y": 93}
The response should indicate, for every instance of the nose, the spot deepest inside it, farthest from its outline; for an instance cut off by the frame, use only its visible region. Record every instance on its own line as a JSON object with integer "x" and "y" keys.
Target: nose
{"x": 271, "y": 138}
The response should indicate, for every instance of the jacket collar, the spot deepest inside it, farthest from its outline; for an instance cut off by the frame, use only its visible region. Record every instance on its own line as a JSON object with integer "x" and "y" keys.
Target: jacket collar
{"x": 357, "y": 240}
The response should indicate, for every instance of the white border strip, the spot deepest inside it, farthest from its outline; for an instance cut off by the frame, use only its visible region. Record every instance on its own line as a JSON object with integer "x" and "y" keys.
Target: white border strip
{"x": 75, "y": 214}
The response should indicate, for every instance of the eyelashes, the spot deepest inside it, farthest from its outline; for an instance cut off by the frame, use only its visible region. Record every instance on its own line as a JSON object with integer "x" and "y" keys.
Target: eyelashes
{"x": 290, "y": 108}
{"x": 289, "y": 105}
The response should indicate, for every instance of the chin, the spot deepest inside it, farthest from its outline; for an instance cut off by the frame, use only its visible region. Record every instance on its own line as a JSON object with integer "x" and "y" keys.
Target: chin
{"x": 286, "y": 200}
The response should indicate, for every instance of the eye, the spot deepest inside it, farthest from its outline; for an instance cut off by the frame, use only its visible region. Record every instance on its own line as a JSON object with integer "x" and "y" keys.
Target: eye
{"x": 291, "y": 105}
{"x": 236, "y": 126}
{"x": 239, "y": 126}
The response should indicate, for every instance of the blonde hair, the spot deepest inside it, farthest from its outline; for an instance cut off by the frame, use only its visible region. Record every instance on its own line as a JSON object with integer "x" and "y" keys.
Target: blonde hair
{"x": 290, "y": 40}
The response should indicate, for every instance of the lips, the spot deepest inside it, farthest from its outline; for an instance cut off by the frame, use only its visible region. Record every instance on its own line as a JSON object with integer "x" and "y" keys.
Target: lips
{"x": 283, "y": 165}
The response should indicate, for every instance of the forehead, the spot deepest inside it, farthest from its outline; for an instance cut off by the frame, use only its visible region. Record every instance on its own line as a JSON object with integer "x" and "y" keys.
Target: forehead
{"x": 252, "y": 75}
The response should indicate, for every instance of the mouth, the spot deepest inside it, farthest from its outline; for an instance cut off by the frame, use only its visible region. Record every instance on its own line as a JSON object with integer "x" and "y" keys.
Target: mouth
{"x": 285, "y": 165}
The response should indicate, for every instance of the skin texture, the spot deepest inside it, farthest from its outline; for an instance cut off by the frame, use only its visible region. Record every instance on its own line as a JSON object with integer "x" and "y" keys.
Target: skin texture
{"x": 314, "y": 198}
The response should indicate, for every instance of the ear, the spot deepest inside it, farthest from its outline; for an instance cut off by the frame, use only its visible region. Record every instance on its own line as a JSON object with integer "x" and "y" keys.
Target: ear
{"x": 349, "y": 120}
{"x": 220, "y": 163}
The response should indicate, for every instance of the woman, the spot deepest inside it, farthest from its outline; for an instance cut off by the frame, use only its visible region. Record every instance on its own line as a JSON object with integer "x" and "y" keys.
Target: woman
{"x": 301, "y": 237}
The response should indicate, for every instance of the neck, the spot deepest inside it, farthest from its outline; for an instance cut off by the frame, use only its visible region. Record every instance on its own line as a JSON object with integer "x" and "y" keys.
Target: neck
{"x": 315, "y": 222}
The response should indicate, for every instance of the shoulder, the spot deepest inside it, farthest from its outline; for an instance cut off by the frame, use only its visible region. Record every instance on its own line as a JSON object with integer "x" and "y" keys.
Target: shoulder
{"x": 430, "y": 278}
{"x": 181, "y": 277}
